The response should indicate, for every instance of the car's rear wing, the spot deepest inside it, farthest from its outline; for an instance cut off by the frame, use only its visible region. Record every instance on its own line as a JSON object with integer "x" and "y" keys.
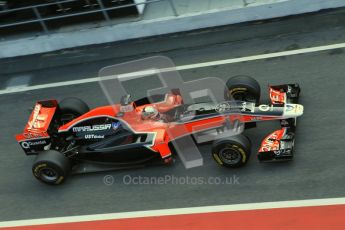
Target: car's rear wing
{"x": 35, "y": 135}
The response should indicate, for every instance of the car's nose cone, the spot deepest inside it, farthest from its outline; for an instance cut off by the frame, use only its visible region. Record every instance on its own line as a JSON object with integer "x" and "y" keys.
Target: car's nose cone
{"x": 299, "y": 109}
{"x": 293, "y": 110}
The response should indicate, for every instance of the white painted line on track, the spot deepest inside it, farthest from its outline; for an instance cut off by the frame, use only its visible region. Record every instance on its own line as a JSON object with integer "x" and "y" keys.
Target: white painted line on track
{"x": 178, "y": 211}
{"x": 19, "y": 81}
{"x": 132, "y": 75}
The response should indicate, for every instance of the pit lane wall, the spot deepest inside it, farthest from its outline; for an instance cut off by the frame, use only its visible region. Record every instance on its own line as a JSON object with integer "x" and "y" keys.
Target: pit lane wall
{"x": 147, "y": 28}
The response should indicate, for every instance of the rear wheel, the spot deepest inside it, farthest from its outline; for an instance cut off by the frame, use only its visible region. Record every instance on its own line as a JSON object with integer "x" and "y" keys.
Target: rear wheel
{"x": 242, "y": 88}
{"x": 232, "y": 152}
{"x": 51, "y": 167}
{"x": 71, "y": 108}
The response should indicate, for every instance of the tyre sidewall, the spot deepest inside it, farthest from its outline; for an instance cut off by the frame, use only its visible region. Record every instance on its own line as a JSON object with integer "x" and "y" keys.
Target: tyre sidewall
{"x": 54, "y": 160}
{"x": 241, "y": 144}
{"x": 73, "y": 106}
{"x": 244, "y": 85}
{"x": 40, "y": 166}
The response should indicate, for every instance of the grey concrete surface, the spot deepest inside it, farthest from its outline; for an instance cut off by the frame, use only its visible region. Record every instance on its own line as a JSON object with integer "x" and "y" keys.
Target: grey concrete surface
{"x": 80, "y": 57}
{"x": 316, "y": 172}
{"x": 146, "y": 28}
{"x": 163, "y": 9}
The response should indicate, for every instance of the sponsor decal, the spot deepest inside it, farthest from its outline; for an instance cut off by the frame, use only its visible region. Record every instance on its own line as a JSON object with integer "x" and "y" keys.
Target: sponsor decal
{"x": 115, "y": 125}
{"x": 35, "y": 114}
{"x": 126, "y": 108}
{"x": 256, "y": 118}
{"x": 38, "y": 168}
{"x": 289, "y": 107}
{"x": 277, "y": 152}
{"x": 270, "y": 143}
{"x": 94, "y": 136}
{"x": 248, "y": 107}
{"x": 264, "y": 108}
{"x": 32, "y": 135}
{"x": 27, "y": 145}
{"x": 227, "y": 107}
{"x": 243, "y": 107}
{"x": 235, "y": 90}
{"x": 285, "y": 152}
{"x": 91, "y": 128}
{"x": 222, "y": 107}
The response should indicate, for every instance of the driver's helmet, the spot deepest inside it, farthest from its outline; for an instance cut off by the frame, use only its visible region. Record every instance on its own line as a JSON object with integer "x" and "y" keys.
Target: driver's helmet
{"x": 149, "y": 112}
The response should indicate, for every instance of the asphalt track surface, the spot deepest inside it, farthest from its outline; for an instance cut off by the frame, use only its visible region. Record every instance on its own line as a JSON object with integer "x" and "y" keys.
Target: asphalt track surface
{"x": 316, "y": 172}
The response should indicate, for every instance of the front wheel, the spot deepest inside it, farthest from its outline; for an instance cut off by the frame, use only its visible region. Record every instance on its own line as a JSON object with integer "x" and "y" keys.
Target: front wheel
{"x": 232, "y": 152}
{"x": 242, "y": 88}
{"x": 51, "y": 167}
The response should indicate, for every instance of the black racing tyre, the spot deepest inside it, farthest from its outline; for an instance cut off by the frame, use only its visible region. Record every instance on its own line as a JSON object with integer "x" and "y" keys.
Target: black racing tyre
{"x": 232, "y": 152}
{"x": 242, "y": 88}
{"x": 51, "y": 167}
{"x": 71, "y": 108}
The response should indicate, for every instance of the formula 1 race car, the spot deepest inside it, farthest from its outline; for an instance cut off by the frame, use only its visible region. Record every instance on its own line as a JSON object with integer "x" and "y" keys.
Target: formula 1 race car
{"x": 67, "y": 135}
